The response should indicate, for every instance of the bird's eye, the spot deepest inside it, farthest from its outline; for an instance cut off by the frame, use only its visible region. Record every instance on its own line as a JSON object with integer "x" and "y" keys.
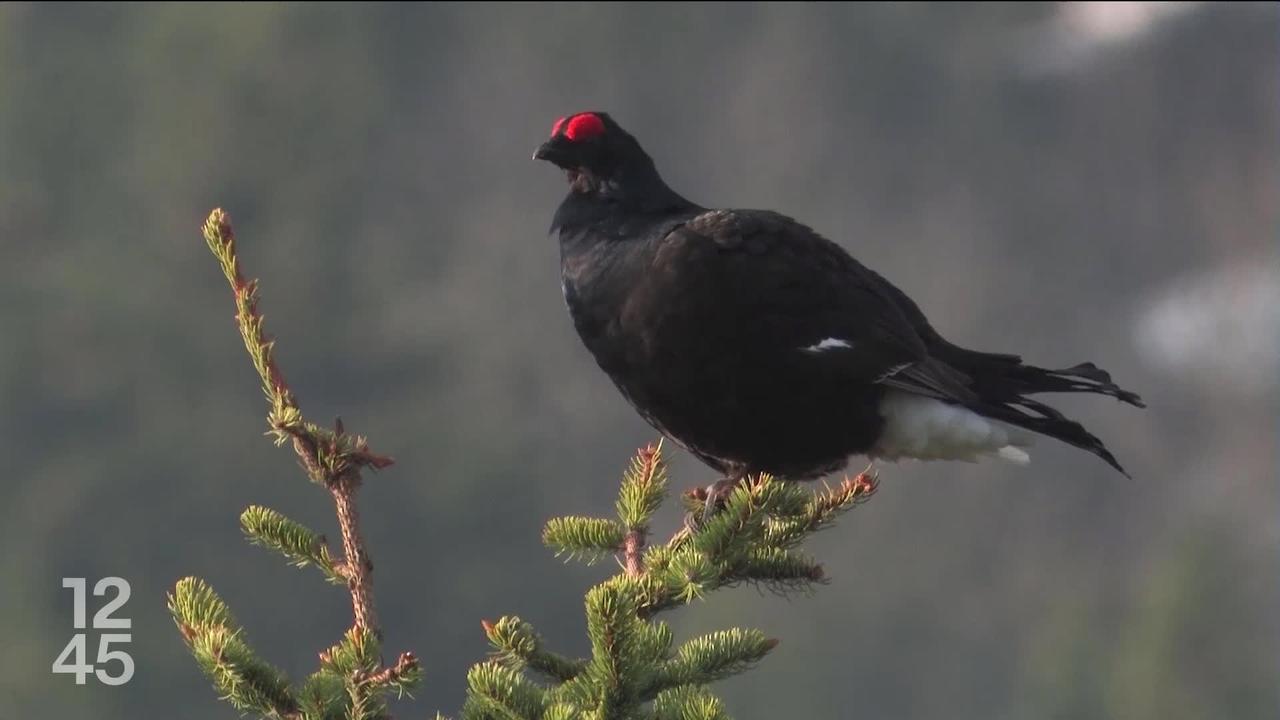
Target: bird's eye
{"x": 584, "y": 127}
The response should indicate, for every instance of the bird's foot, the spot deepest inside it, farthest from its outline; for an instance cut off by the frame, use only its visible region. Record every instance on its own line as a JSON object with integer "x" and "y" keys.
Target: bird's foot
{"x": 711, "y": 499}
{"x": 717, "y": 493}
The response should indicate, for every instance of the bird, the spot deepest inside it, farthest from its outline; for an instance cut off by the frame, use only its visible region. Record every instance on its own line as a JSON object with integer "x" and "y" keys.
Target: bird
{"x": 760, "y": 346}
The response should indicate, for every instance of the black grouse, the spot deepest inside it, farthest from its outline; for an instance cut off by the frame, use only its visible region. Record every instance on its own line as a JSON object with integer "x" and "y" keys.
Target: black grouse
{"x": 760, "y": 346}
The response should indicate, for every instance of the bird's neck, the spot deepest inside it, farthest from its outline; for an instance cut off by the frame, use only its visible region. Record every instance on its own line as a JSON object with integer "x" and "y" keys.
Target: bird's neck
{"x": 611, "y": 206}
{"x": 602, "y": 233}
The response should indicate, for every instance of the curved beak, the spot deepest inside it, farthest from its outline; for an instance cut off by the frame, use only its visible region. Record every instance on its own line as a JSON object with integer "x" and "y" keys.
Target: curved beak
{"x": 553, "y": 151}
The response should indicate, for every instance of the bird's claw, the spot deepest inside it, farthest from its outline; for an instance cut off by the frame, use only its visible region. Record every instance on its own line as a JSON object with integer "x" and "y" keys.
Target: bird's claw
{"x": 717, "y": 492}
{"x": 711, "y": 498}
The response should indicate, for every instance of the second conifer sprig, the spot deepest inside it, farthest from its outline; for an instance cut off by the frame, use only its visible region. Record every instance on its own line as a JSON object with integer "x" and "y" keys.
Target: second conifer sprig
{"x": 636, "y": 670}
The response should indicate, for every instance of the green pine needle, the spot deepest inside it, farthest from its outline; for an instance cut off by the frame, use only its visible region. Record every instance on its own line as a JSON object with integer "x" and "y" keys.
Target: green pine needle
{"x": 562, "y": 711}
{"x": 688, "y": 703}
{"x": 323, "y": 696}
{"x": 644, "y": 487}
{"x": 690, "y": 575}
{"x": 619, "y": 666}
{"x": 518, "y": 646}
{"x": 239, "y": 676}
{"x": 358, "y": 652}
{"x": 301, "y": 546}
{"x": 194, "y": 604}
{"x": 819, "y": 511}
{"x": 497, "y": 692}
{"x": 779, "y": 569}
{"x": 728, "y": 532}
{"x": 587, "y": 539}
{"x": 714, "y": 657}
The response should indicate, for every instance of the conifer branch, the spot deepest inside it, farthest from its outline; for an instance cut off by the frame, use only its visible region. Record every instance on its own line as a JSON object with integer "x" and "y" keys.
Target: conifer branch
{"x": 688, "y": 702}
{"x": 778, "y": 568}
{"x": 218, "y": 645}
{"x": 713, "y": 657}
{"x": 497, "y": 692}
{"x": 632, "y": 671}
{"x": 517, "y": 646}
{"x": 401, "y": 677}
{"x": 644, "y": 486}
{"x": 588, "y": 539}
{"x": 331, "y": 457}
{"x": 351, "y": 681}
{"x": 301, "y": 546}
{"x": 823, "y": 509}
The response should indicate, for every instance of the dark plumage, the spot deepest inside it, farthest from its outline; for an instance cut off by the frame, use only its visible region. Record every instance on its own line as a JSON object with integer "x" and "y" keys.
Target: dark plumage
{"x": 759, "y": 345}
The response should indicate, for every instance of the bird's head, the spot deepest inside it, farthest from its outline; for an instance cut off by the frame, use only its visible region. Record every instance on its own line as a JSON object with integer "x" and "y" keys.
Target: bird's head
{"x": 595, "y": 152}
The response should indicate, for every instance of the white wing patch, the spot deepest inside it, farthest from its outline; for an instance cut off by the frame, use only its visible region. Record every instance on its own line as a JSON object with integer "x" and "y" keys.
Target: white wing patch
{"x": 825, "y": 344}
{"x": 922, "y": 428}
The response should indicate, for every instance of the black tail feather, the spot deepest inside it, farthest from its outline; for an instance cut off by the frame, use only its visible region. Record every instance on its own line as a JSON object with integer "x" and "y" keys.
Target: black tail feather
{"x": 1007, "y": 377}
{"x": 1085, "y": 377}
{"x": 1003, "y": 384}
{"x": 1040, "y": 418}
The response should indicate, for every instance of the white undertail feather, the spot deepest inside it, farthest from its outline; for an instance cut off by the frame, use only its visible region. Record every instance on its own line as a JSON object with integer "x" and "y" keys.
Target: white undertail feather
{"x": 923, "y": 428}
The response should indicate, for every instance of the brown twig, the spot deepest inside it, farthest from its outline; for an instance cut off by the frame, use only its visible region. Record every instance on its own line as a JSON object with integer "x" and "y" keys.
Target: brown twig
{"x": 356, "y": 564}
{"x": 405, "y": 664}
{"x": 632, "y": 550}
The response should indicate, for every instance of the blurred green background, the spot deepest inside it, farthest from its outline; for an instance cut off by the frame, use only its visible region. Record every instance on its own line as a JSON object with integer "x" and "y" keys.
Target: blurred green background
{"x": 1070, "y": 182}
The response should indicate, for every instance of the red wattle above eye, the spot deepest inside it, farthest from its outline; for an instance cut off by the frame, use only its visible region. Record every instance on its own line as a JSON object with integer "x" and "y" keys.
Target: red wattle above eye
{"x": 584, "y": 126}
{"x": 555, "y": 129}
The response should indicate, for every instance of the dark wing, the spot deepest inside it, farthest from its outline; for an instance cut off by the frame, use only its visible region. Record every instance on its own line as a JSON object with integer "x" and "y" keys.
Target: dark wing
{"x": 798, "y": 288}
